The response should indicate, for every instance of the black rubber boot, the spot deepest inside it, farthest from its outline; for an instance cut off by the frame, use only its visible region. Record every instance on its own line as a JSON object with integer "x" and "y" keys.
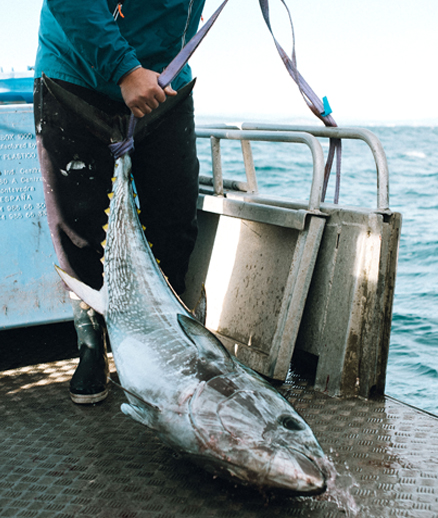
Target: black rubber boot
{"x": 89, "y": 383}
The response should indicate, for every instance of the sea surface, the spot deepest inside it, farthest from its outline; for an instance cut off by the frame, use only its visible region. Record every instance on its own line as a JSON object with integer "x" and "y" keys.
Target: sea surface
{"x": 285, "y": 169}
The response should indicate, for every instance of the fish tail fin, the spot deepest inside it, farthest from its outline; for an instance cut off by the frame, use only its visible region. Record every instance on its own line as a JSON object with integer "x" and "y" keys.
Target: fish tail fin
{"x": 113, "y": 129}
{"x": 94, "y": 298}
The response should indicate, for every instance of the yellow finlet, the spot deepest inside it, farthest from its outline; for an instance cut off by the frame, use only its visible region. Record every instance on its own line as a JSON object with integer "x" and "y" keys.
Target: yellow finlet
{"x": 110, "y": 195}
{"x": 107, "y": 211}
{"x": 105, "y": 227}
{"x": 103, "y": 244}
{"x": 158, "y": 261}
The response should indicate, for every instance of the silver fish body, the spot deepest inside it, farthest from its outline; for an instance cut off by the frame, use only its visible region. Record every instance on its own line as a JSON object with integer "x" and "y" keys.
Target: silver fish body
{"x": 180, "y": 380}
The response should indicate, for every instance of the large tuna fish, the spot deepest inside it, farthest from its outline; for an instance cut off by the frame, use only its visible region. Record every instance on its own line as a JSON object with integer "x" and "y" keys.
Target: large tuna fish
{"x": 180, "y": 380}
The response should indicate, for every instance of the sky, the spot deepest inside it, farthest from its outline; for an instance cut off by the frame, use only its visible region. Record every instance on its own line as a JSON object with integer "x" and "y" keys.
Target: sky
{"x": 374, "y": 60}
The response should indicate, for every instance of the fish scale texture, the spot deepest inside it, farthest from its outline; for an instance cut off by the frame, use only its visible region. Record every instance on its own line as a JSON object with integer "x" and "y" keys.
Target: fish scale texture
{"x": 61, "y": 460}
{"x": 166, "y": 361}
{"x": 138, "y": 302}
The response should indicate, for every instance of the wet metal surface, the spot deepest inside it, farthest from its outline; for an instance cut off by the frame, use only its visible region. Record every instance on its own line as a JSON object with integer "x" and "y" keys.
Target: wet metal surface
{"x": 61, "y": 460}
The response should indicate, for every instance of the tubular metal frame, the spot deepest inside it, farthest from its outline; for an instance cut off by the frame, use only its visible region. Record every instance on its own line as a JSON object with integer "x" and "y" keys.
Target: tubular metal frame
{"x": 282, "y": 130}
{"x": 217, "y": 134}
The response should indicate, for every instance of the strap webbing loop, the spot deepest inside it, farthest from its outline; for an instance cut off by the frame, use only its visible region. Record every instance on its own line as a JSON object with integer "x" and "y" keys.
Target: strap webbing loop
{"x": 312, "y": 100}
{"x": 119, "y": 149}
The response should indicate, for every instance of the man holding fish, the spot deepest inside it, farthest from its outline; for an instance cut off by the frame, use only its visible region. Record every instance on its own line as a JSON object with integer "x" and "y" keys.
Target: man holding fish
{"x": 111, "y": 55}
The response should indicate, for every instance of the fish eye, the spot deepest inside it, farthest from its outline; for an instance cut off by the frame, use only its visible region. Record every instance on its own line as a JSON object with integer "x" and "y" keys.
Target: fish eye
{"x": 290, "y": 423}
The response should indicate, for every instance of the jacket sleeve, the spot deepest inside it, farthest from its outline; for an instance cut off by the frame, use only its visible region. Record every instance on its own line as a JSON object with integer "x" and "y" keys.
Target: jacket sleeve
{"x": 94, "y": 34}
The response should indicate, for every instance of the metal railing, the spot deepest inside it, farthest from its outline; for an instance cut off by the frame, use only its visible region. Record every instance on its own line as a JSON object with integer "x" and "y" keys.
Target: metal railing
{"x": 245, "y": 136}
{"x": 280, "y": 132}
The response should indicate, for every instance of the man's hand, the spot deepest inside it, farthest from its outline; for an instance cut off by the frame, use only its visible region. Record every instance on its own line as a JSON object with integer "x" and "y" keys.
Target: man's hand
{"x": 141, "y": 91}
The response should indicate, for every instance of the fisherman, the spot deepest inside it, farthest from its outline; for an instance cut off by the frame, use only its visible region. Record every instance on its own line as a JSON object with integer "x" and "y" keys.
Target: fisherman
{"x": 111, "y": 55}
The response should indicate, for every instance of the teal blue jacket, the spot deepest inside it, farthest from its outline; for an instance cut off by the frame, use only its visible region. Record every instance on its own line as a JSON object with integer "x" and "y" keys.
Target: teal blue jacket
{"x": 80, "y": 42}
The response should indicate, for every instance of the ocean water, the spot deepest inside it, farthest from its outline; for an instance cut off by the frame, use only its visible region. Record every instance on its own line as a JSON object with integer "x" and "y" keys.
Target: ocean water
{"x": 412, "y": 152}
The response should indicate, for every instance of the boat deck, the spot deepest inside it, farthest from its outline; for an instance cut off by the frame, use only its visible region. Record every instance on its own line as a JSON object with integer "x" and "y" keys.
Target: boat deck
{"x": 58, "y": 459}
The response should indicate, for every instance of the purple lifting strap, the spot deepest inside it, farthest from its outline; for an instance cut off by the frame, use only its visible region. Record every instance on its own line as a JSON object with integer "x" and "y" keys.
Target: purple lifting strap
{"x": 176, "y": 65}
{"x": 312, "y": 100}
{"x": 119, "y": 149}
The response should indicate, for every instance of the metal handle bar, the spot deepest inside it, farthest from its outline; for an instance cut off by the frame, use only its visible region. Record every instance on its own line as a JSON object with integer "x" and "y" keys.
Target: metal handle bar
{"x": 216, "y": 134}
{"x": 343, "y": 133}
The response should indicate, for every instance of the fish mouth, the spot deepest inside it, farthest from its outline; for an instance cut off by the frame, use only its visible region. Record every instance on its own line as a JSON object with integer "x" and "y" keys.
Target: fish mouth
{"x": 290, "y": 473}
{"x": 296, "y": 472}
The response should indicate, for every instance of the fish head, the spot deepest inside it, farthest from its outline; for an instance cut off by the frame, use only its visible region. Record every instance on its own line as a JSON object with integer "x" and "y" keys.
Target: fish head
{"x": 256, "y": 437}
{"x": 295, "y": 457}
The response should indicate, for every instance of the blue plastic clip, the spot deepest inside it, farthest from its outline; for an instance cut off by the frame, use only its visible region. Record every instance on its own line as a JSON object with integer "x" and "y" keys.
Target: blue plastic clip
{"x": 327, "y": 110}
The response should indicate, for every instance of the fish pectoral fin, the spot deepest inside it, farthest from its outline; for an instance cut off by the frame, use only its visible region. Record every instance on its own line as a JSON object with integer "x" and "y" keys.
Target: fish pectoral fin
{"x": 139, "y": 414}
{"x": 207, "y": 343}
{"x": 94, "y": 298}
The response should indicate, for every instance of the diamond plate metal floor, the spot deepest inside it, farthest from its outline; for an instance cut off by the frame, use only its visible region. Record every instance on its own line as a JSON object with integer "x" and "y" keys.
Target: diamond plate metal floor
{"x": 61, "y": 460}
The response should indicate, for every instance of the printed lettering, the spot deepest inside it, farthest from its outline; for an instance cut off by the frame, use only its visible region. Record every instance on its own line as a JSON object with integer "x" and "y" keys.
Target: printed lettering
{"x": 17, "y": 189}
{"x": 12, "y": 199}
{"x": 22, "y": 145}
{"x": 33, "y": 170}
{"x": 20, "y": 156}
{"x": 31, "y": 179}
{"x": 25, "y": 136}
